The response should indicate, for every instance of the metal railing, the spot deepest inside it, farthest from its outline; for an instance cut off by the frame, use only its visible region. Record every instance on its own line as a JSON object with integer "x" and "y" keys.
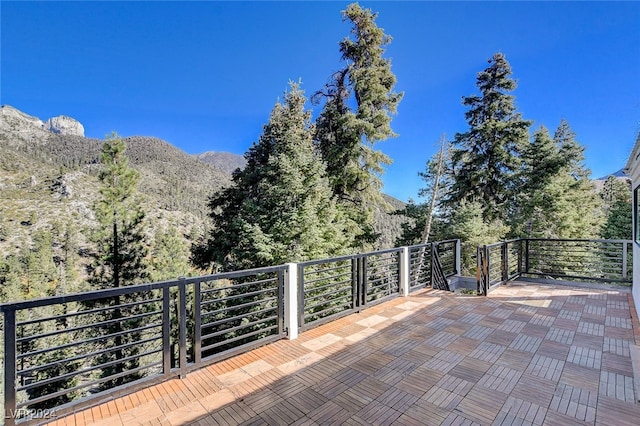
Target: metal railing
{"x": 62, "y": 352}
{"x": 331, "y": 288}
{"x": 598, "y": 260}
{"x": 432, "y": 263}
{"x": 587, "y": 260}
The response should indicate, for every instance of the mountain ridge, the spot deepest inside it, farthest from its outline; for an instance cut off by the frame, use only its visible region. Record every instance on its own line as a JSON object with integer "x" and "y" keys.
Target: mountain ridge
{"x": 49, "y": 179}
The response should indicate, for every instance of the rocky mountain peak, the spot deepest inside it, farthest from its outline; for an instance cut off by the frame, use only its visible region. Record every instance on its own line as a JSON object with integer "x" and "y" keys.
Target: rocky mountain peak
{"x": 65, "y": 126}
{"x": 12, "y": 119}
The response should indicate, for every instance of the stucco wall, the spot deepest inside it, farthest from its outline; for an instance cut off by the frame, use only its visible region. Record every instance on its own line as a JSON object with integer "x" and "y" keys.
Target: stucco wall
{"x": 633, "y": 171}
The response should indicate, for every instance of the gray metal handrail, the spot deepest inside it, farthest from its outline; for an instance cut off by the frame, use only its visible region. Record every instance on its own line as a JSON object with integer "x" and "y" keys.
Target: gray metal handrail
{"x": 571, "y": 259}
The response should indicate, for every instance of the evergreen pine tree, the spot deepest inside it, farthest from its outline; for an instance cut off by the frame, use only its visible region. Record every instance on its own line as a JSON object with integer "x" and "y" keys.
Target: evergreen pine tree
{"x": 486, "y": 157}
{"x": 120, "y": 259}
{"x": 280, "y": 207}
{"x": 169, "y": 256}
{"x": 122, "y": 246}
{"x": 556, "y": 198}
{"x": 345, "y": 136}
{"x": 616, "y": 197}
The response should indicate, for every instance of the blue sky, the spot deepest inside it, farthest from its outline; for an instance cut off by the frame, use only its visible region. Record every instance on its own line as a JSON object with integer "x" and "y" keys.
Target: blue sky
{"x": 205, "y": 75}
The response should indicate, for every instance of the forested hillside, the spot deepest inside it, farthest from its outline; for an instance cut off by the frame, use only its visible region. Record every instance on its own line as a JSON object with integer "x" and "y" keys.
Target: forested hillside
{"x": 49, "y": 186}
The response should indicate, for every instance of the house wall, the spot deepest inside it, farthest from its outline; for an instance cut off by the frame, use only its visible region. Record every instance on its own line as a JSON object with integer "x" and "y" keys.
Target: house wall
{"x": 633, "y": 171}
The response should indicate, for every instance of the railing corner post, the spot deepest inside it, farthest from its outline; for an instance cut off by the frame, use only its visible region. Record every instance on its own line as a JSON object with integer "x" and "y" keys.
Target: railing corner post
{"x": 404, "y": 271}
{"x": 291, "y": 300}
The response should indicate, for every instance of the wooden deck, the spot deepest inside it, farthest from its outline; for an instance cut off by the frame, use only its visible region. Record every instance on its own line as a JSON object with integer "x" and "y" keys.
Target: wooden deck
{"x": 528, "y": 354}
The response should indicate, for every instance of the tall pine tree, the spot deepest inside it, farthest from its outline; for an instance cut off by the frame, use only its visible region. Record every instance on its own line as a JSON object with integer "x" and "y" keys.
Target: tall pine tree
{"x": 616, "y": 197}
{"x": 345, "y": 136}
{"x": 122, "y": 246}
{"x": 486, "y": 156}
{"x": 556, "y": 199}
{"x": 280, "y": 207}
{"x": 120, "y": 260}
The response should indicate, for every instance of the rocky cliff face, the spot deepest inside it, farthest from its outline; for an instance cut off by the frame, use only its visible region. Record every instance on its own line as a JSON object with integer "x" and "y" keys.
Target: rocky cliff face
{"x": 16, "y": 121}
{"x": 64, "y": 125}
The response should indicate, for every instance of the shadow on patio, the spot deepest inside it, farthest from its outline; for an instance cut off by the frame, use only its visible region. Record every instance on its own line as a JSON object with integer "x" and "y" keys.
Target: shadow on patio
{"x": 527, "y": 354}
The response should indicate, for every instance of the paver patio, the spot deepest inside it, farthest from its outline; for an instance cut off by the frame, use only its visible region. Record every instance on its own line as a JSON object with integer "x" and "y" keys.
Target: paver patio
{"x": 530, "y": 354}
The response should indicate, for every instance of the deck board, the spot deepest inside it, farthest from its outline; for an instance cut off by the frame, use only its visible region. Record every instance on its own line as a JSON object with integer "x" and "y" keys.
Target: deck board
{"x": 526, "y": 354}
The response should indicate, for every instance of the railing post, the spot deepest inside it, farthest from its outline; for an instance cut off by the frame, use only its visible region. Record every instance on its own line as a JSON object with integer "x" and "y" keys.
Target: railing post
{"x": 519, "y": 257}
{"x": 183, "y": 327}
{"x": 300, "y": 293}
{"x": 434, "y": 250}
{"x": 505, "y": 263}
{"x": 166, "y": 330}
{"x": 624, "y": 260}
{"x": 478, "y": 270}
{"x": 526, "y": 256}
{"x": 10, "y": 367}
{"x": 364, "y": 285}
{"x": 404, "y": 271}
{"x": 197, "y": 322}
{"x": 458, "y": 257}
{"x": 291, "y": 300}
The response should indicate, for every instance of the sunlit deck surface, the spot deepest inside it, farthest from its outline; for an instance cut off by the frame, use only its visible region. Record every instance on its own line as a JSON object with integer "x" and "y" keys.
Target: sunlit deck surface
{"x": 526, "y": 354}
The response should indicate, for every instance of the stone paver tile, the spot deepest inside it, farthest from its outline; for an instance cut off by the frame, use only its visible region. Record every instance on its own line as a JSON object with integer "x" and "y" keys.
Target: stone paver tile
{"x": 257, "y": 367}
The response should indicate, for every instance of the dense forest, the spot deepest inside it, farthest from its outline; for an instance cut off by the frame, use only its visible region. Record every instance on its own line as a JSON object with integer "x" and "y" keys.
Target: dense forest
{"x": 307, "y": 188}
